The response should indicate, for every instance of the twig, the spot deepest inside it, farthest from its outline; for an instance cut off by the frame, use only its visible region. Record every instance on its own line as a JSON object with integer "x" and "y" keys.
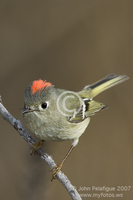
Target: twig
{"x": 50, "y": 162}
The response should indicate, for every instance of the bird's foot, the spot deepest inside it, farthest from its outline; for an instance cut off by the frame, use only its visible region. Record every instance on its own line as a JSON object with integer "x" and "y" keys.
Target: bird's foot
{"x": 35, "y": 146}
{"x": 55, "y": 170}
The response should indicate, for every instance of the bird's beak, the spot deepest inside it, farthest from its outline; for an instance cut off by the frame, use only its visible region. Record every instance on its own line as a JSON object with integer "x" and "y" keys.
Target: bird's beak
{"x": 28, "y": 109}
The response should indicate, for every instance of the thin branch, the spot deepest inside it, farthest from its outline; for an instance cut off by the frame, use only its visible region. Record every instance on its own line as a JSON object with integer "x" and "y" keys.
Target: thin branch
{"x": 50, "y": 162}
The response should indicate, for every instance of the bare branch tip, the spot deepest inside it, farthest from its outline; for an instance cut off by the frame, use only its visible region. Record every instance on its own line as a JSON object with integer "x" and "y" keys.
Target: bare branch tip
{"x": 0, "y": 99}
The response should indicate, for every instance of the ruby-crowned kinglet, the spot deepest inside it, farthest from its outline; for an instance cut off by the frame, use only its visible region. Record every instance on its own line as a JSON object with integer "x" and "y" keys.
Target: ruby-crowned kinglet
{"x": 58, "y": 114}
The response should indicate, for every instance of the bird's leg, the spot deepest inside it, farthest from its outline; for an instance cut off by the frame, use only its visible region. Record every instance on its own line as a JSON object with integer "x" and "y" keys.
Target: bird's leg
{"x": 35, "y": 146}
{"x": 57, "y": 168}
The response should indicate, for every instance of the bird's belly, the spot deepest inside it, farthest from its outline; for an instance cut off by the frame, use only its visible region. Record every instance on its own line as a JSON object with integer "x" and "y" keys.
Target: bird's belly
{"x": 56, "y": 132}
{"x": 61, "y": 134}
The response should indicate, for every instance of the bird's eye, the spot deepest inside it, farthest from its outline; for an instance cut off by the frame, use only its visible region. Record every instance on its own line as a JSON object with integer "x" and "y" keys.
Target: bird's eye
{"x": 44, "y": 105}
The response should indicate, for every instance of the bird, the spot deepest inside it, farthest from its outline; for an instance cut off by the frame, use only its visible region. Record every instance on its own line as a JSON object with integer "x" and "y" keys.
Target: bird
{"x": 54, "y": 114}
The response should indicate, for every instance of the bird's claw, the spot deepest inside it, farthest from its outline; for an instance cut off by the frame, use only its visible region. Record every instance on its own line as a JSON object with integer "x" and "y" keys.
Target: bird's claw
{"x": 35, "y": 146}
{"x": 55, "y": 170}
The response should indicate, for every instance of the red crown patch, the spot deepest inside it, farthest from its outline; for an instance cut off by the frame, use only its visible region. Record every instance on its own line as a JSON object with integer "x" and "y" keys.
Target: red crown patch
{"x": 39, "y": 84}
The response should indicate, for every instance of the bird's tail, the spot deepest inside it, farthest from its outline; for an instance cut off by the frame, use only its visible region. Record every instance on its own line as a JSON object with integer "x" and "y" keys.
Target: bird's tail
{"x": 109, "y": 81}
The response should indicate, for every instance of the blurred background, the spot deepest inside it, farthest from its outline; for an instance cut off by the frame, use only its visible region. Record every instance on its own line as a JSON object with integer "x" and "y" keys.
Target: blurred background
{"x": 71, "y": 44}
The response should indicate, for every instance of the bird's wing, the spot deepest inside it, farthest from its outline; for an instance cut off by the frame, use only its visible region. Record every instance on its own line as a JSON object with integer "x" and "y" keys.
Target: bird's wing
{"x": 89, "y": 108}
{"x": 93, "y": 107}
{"x": 78, "y": 115}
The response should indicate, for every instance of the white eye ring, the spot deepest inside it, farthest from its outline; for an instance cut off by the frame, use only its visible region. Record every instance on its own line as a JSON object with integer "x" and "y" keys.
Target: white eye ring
{"x": 44, "y": 105}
